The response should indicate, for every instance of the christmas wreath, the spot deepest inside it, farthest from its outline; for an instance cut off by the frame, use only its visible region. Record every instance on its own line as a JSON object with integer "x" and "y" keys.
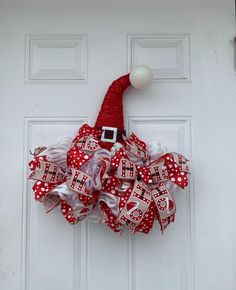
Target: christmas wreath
{"x": 103, "y": 174}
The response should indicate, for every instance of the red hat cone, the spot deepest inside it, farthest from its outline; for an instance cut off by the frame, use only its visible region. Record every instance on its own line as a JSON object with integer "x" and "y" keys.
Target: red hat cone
{"x": 111, "y": 112}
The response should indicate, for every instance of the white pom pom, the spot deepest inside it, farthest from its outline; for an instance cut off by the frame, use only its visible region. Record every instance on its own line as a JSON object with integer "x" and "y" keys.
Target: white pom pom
{"x": 141, "y": 76}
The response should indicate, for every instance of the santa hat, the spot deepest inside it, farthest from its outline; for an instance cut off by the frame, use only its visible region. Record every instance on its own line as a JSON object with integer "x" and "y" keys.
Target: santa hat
{"x": 110, "y": 118}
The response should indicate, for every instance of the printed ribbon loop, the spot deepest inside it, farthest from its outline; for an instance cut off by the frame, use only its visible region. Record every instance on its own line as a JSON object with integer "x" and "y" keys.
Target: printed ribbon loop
{"x": 78, "y": 181}
{"x": 165, "y": 205}
{"x": 171, "y": 166}
{"x": 136, "y": 206}
{"x": 48, "y": 172}
{"x": 126, "y": 170}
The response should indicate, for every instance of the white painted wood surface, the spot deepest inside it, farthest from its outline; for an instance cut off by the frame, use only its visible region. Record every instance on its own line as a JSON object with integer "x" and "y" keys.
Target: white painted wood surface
{"x": 57, "y": 60}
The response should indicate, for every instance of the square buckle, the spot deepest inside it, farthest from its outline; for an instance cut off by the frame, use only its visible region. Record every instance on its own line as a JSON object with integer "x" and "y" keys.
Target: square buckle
{"x": 109, "y": 134}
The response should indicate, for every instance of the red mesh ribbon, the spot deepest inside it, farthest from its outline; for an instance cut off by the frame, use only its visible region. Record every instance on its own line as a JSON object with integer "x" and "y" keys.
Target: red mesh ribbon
{"x": 111, "y": 113}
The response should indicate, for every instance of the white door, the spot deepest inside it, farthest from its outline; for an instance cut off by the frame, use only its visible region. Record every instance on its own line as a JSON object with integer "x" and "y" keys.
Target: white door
{"x": 57, "y": 59}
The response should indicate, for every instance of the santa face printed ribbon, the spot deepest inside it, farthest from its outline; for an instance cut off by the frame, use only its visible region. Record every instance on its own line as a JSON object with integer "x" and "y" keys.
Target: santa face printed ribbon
{"x": 95, "y": 176}
{"x": 165, "y": 205}
{"x": 136, "y": 206}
